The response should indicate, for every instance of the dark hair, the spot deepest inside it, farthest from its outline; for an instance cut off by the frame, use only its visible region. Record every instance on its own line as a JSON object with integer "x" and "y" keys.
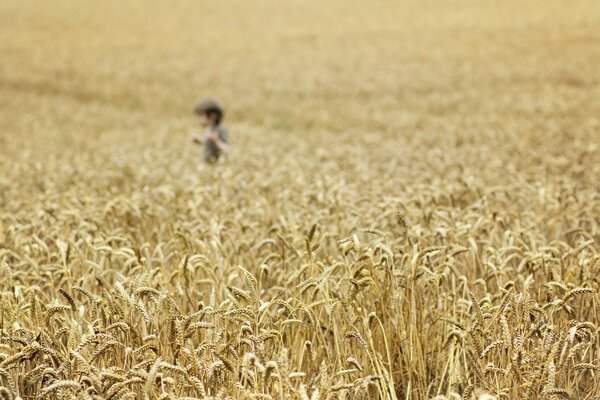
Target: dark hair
{"x": 210, "y": 108}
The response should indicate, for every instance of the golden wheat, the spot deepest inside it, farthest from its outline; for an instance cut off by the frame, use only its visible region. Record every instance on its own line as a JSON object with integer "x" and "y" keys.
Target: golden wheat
{"x": 410, "y": 211}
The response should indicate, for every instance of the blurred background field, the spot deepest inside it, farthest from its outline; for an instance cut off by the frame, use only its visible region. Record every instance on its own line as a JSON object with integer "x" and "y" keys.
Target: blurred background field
{"x": 478, "y": 121}
{"x": 397, "y": 67}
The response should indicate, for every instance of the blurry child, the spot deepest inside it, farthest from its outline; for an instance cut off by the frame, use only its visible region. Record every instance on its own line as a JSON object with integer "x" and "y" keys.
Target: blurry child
{"x": 214, "y": 138}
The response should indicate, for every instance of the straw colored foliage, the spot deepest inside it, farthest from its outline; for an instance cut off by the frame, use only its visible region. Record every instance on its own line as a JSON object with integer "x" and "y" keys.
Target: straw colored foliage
{"x": 410, "y": 209}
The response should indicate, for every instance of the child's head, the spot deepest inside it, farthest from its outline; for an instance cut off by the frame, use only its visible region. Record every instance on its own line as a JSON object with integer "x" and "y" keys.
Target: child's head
{"x": 209, "y": 112}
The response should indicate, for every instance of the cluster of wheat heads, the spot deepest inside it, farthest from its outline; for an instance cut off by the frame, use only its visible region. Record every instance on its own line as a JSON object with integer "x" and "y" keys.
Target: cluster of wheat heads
{"x": 164, "y": 292}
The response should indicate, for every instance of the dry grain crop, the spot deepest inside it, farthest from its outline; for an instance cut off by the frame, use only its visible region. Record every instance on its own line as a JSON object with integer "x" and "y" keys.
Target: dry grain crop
{"x": 411, "y": 210}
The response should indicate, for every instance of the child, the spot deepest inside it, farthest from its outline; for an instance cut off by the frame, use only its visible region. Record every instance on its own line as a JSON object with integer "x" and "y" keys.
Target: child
{"x": 214, "y": 138}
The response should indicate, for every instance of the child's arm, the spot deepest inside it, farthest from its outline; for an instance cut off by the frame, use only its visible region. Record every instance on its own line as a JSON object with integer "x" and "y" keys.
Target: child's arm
{"x": 214, "y": 137}
{"x": 198, "y": 139}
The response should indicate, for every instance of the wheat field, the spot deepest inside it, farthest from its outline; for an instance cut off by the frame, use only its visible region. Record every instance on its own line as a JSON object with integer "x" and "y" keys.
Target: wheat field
{"x": 411, "y": 208}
